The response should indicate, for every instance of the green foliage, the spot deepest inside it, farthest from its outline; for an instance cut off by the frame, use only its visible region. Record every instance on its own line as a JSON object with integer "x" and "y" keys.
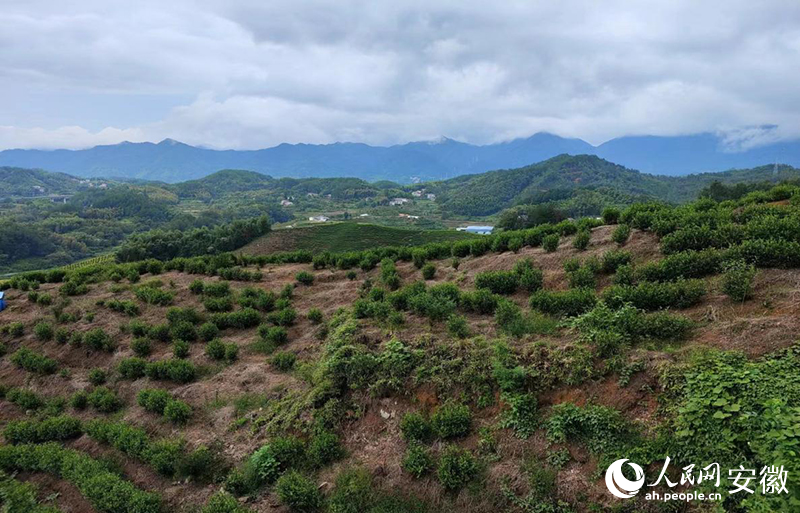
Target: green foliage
{"x": 621, "y": 234}
{"x": 498, "y": 282}
{"x": 610, "y": 215}
{"x": 353, "y": 492}
{"x": 324, "y": 448}
{"x": 521, "y": 414}
{"x": 451, "y": 420}
{"x": 104, "y": 400}
{"x": 132, "y": 368}
{"x": 154, "y": 296}
{"x": 153, "y": 399}
{"x": 298, "y": 492}
{"x": 37, "y": 431}
{"x": 218, "y": 350}
{"x": 603, "y": 430}
{"x": 457, "y": 326}
{"x": 737, "y": 280}
{"x": 177, "y": 412}
{"x": 32, "y": 361}
{"x": 581, "y": 240}
{"x": 180, "y": 349}
{"x": 43, "y": 330}
{"x": 179, "y": 371}
{"x": 304, "y": 278}
{"x": 456, "y": 468}
{"x": 415, "y": 427}
{"x": 222, "y": 502}
{"x": 283, "y": 361}
{"x": 417, "y": 460}
{"x": 428, "y": 271}
{"x": 550, "y": 242}
{"x": 97, "y": 376}
{"x": 98, "y": 340}
{"x": 654, "y": 296}
{"x": 567, "y": 303}
{"x": 315, "y": 315}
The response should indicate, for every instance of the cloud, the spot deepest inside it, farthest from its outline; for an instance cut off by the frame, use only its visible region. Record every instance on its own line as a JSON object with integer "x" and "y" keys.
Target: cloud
{"x": 262, "y": 73}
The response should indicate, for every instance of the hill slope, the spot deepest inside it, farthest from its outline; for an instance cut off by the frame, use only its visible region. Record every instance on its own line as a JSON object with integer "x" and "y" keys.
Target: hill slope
{"x": 172, "y": 161}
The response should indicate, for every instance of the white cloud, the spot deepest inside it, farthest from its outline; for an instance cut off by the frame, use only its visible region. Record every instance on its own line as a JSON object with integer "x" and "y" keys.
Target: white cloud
{"x": 381, "y": 72}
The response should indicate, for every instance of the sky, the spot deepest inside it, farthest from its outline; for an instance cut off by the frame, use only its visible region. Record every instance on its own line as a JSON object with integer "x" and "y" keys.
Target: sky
{"x": 248, "y": 74}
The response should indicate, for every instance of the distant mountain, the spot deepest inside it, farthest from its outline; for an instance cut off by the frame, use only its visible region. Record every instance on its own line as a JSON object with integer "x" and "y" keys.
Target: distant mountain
{"x": 172, "y": 161}
{"x": 563, "y": 176}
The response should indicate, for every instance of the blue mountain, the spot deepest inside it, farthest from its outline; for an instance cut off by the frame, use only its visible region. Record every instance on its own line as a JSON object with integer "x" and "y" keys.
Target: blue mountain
{"x": 173, "y": 161}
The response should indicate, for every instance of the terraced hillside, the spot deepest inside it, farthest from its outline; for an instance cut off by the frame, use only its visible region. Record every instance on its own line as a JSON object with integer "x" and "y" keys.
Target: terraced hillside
{"x": 497, "y": 373}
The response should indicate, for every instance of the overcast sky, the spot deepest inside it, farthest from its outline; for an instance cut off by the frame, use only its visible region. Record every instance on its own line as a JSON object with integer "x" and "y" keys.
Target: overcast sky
{"x": 254, "y": 73}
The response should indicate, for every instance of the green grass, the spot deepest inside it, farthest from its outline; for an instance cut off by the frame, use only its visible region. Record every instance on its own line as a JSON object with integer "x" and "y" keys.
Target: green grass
{"x": 340, "y": 237}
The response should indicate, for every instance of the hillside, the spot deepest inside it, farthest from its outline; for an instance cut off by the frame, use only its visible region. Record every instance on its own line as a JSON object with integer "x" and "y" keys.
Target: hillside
{"x": 347, "y": 236}
{"x": 28, "y": 183}
{"x": 487, "y": 193}
{"x": 403, "y": 380}
{"x": 172, "y": 161}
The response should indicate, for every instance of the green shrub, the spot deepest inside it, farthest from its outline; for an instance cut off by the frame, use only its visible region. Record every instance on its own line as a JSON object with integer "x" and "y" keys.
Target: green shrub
{"x": 550, "y": 242}
{"x": 179, "y": 371}
{"x": 613, "y": 259}
{"x": 189, "y": 315}
{"x": 283, "y": 317}
{"x": 104, "y": 400}
{"x": 315, "y": 315}
{"x": 498, "y": 282}
{"x": 197, "y": 287}
{"x": 207, "y": 331}
{"x": 79, "y": 400}
{"x": 218, "y": 304}
{"x": 583, "y": 277}
{"x": 457, "y": 326}
{"x": 132, "y": 368}
{"x": 97, "y": 376}
{"x": 43, "y": 330}
{"x": 353, "y": 493}
{"x": 283, "y": 361}
{"x": 183, "y": 330}
{"x": 581, "y": 241}
{"x": 218, "y": 350}
{"x": 621, "y": 234}
{"x": 298, "y": 492}
{"x": 610, "y": 215}
{"x": 428, "y": 271}
{"x": 304, "y": 278}
{"x": 222, "y": 502}
{"x": 415, "y": 427}
{"x": 32, "y": 361}
{"x": 521, "y": 414}
{"x": 417, "y": 460}
{"x": 98, "y": 340}
{"x": 153, "y": 295}
{"x": 25, "y": 399}
{"x": 15, "y": 329}
{"x": 141, "y": 347}
{"x": 177, "y": 412}
{"x": 737, "y": 280}
{"x": 180, "y": 349}
{"x": 62, "y": 335}
{"x": 324, "y": 449}
{"x": 153, "y": 400}
{"x": 160, "y": 332}
{"x": 569, "y": 303}
{"x": 479, "y": 301}
{"x": 451, "y": 420}
{"x": 456, "y": 468}
{"x": 47, "y": 430}
{"x": 654, "y": 296}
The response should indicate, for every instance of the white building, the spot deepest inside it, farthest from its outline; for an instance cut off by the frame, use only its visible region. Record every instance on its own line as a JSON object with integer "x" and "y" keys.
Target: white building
{"x": 431, "y": 196}
{"x": 318, "y": 219}
{"x": 417, "y": 194}
{"x": 398, "y": 201}
{"x": 286, "y": 203}
{"x": 481, "y": 230}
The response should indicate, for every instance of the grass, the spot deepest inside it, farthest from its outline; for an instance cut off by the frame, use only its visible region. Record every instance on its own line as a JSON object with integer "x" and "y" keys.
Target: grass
{"x": 347, "y": 236}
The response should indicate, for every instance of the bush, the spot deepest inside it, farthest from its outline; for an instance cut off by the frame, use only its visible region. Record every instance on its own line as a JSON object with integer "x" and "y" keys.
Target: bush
{"x": 415, "y": 427}
{"x": 179, "y": 371}
{"x": 32, "y": 361}
{"x": 298, "y": 492}
{"x": 304, "y": 278}
{"x": 104, "y": 400}
{"x": 62, "y": 335}
{"x": 222, "y": 502}
{"x": 79, "y": 400}
{"x": 353, "y": 493}
{"x": 583, "y": 277}
{"x": 98, "y": 339}
{"x": 610, "y": 215}
{"x": 154, "y": 296}
{"x": 737, "y": 280}
{"x": 183, "y": 330}
{"x": 274, "y": 335}
{"x": 141, "y": 347}
{"x": 47, "y": 430}
{"x": 217, "y": 350}
{"x": 177, "y": 412}
{"x": 498, "y": 282}
{"x": 153, "y": 400}
{"x": 654, "y": 296}
{"x": 283, "y": 361}
{"x": 25, "y": 399}
{"x": 550, "y": 242}
{"x": 284, "y": 317}
{"x": 613, "y": 259}
{"x": 132, "y": 368}
{"x": 315, "y": 315}
{"x": 479, "y": 301}
{"x": 457, "y": 467}
{"x": 418, "y": 460}
{"x": 97, "y": 376}
{"x": 428, "y": 271}
{"x": 581, "y": 241}
{"x": 457, "y": 326}
{"x": 43, "y": 330}
{"x": 197, "y": 287}
{"x": 451, "y": 420}
{"x": 180, "y": 349}
{"x": 324, "y": 449}
{"x": 218, "y": 304}
{"x": 568, "y": 303}
{"x": 621, "y": 234}
{"x": 529, "y": 277}
{"x": 160, "y": 332}
{"x": 207, "y": 331}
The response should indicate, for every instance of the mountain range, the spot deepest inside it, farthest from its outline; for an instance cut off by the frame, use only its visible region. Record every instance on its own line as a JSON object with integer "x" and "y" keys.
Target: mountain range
{"x": 172, "y": 161}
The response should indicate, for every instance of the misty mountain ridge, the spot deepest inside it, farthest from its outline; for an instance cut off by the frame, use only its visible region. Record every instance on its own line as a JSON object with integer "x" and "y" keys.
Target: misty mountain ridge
{"x": 442, "y": 158}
